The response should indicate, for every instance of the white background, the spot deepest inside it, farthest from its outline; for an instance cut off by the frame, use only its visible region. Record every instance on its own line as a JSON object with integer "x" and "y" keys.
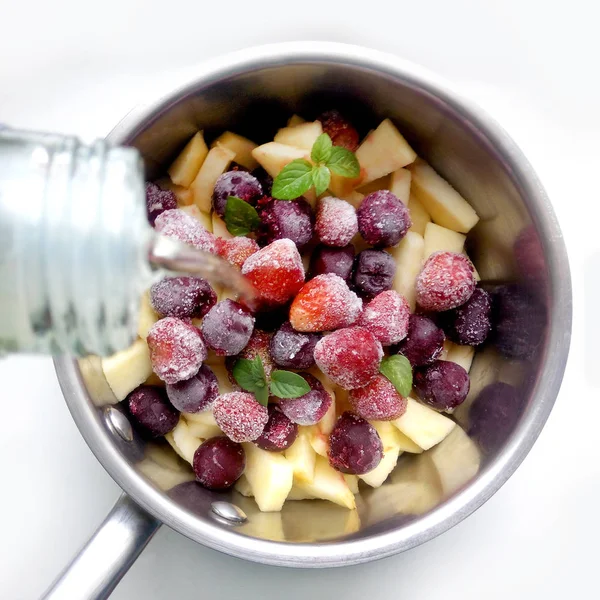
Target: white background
{"x": 77, "y": 66}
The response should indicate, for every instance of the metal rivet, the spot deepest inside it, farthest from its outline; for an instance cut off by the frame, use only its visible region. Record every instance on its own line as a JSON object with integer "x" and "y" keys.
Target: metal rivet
{"x": 118, "y": 423}
{"x": 229, "y": 512}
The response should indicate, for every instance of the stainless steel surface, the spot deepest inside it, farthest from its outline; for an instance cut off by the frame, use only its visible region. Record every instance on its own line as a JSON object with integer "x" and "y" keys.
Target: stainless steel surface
{"x": 114, "y": 546}
{"x": 253, "y": 92}
{"x": 118, "y": 423}
{"x": 230, "y": 512}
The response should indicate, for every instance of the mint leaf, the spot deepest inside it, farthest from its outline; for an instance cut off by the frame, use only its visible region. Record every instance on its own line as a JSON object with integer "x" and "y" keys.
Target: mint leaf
{"x": 343, "y": 162}
{"x": 321, "y": 178}
{"x": 250, "y": 376}
{"x": 398, "y": 370}
{"x": 294, "y": 180}
{"x": 285, "y": 384}
{"x": 321, "y": 149}
{"x": 240, "y": 217}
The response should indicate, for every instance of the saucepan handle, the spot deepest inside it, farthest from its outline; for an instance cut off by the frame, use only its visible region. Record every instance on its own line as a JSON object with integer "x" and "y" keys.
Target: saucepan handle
{"x": 102, "y": 562}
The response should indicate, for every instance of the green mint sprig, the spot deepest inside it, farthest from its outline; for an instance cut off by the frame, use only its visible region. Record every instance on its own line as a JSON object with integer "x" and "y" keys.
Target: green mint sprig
{"x": 240, "y": 217}
{"x": 398, "y": 370}
{"x": 297, "y": 177}
{"x": 250, "y": 376}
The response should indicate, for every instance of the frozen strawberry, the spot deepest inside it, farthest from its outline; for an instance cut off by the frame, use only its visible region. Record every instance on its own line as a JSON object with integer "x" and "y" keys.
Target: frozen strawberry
{"x": 276, "y": 271}
{"x": 378, "y": 400}
{"x": 178, "y": 224}
{"x": 257, "y": 346}
{"x": 176, "y": 349}
{"x": 324, "y": 303}
{"x": 445, "y": 281}
{"x": 240, "y": 416}
{"x": 336, "y": 223}
{"x": 386, "y": 317}
{"x": 236, "y": 250}
{"x": 349, "y": 357}
{"x": 340, "y": 130}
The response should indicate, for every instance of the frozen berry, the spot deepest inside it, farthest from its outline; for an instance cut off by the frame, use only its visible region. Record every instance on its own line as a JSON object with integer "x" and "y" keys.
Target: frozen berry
{"x": 235, "y": 183}
{"x": 349, "y": 357}
{"x": 423, "y": 343}
{"x": 240, "y": 416}
{"x": 151, "y": 410}
{"x": 336, "y": 222}
{"x": 182, "y": 297}
{"x": 338, "y": 261}
{"x": 292, "y": 349}
{"x": 519, "y": 320}
{"x": 176, "y": 349}
{"x": 265, "y": 180}
{"x": 324, "y": 303}
{"x": 258, "y": 345}
{"x": 383, "y": 219}
{"x": 276, "y": 272}
{"x": 386, "y": 317}
{"x": 237, "y": 249}
{"x": 310, "y": 408}
{"x": 157, "y": 201}
{"x": 195, "y": 394}
{"x": 284, "y": 219}
{"x": 470, "y": 323}
{"x": 227, "y": 327}
{"x": 378, "y": 400}
{"x": 445, "y": 281}
{"x": 218, "y": 463}
{"x": 374, "y": 272}
{"x": 354, "y": 445}
{"x": 339, "y": 129}
{"x": 185, "y": 228}
{"x": 279, "y": 432}
{"x": 443, "y": 384}
{"x": 494, "y": 414}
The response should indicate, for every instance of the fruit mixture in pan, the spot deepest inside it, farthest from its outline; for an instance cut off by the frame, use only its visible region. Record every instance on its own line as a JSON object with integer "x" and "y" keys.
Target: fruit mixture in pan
{"x": 370, "y": 312}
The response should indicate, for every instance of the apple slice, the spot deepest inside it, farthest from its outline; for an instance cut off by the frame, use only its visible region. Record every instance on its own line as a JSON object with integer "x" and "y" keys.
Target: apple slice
{"x": 202, "y": 216}
{"x": 423, "y": 425}
{"x": 418, "y": 215}
{"x": 243, "y": 487}
{"x": 383, "y": 183}
{"x": 301, "y": 136}
{"x": 203, "y": 430}
{"x": 391, "y": 436}
{"x": 383, "y": 151}
{"x": 186, "y": 166}
{"x": 328, "y": 484}
{"x": 242, "y": 148}
{"x": 162, "y": 477}
{"x": 445, "y": 205}
{"x": 302, "y": 456}
{"x": 183, "y": 195}
{"x": 400, "y": 185}
{"x": 95, "y": 381}
{"x": 351, "y": 482}
{"x": 461, "y": 355}
{"x": 439, "y": 238}
{"x": 319, "y": 441}
{"x": 154, "y": 380}
{"x": 147, "y": 316}
{"x": 381, "y": 472}
{"x": 127, "y": 369}
{"x": 343, "y": 187}
{"x": 219, "y": 228}
{"x": 297, "y": 494}
{"x": 355, "y": 198}
{"x": 217, "y": 162}
{"x": 408, "y": 255}
{"x": 295, "y": 120}
{"x": 163, "y": 456}
{"x": 185, "y": 444}
{"x": 273, "y": 156}
{"x": 205, "y": 417}
{"x": 270, "y": 477}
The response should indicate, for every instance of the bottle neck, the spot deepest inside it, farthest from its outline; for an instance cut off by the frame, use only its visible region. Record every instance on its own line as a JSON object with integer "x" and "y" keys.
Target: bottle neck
{"x": 74, "y": 244}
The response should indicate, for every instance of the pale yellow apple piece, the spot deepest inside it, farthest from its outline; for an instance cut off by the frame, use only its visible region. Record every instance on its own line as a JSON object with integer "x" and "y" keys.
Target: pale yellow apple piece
{"x": 418, "y": 215}
{"x": 243, "y": 487}
{"x": 163, "y": 456}
{"x": 438, "y": 239}
{"x": 147, "y": 316}
{"x": 383, "y": 151}
{"x": 311, "y": 197}
{"x": 263, "y": 525}
{"x": 127, "y": 369}
{"x": 298, "y": 494}
{"x": 202, "y": 430}
{"x": 183, "y": 195}
{"x": 217, "y": 162}
{"x": 328, "y": 484}
{"x": 242, "y": 148}
{"x": 351, "y": 482}
{"x": 162, "y": 477}
{"x": 343, "y": 187}
{"x": 273, "y": 156}
{"x": 319, "y": 441}
{"x": 227, "y": 294}
{"x": 445, "y": 205}
{"x": 302, "y": 456}
{"x": 461, "y": 355}
{"x": 355, "y": 198}
{"x": 423, "y": 425}
{"x": 400, "y": 185}
{"x": 186, "y": 166}
{"x": 206, "y": 417}
{"x": 154, "y": 380}
{"x": 301, "y": 136}
{"x": 202, "y": 216}
{"x": 213, "y": 358}
{"x": 219, "y": 228}
{"x": 270, "y": 477}
{"x": 225, "y": 385}
{"x": 456, "y": 459}
{"x": 295, "y": 120}
{"x": 383, "y": 183}
{"x": 408, "y": 255}
{"x": 381, "y": 472}
{"x": 185, "y": 441}
{"x": 95, "y": 382}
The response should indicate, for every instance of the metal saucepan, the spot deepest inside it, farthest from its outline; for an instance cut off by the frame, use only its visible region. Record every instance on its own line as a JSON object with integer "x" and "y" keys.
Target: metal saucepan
{"x": 253, "y": 92}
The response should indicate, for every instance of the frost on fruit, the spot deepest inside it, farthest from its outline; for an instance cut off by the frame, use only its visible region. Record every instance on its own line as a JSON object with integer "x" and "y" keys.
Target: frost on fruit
{"x": 240, "y": 416}
{"x": 185, "y": 228}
